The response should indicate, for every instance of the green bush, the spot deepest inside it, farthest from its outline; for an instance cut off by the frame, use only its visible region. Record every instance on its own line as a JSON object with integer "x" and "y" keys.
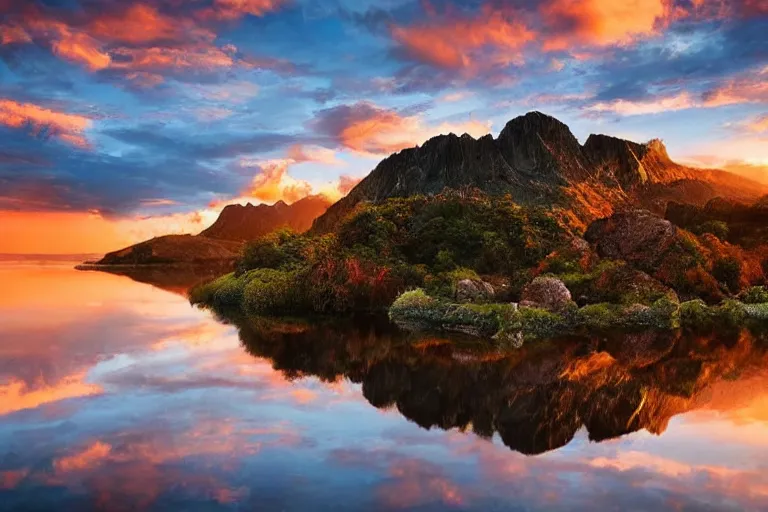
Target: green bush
{"x": 600, "y": 316}
{"x": 696, "y": 315}
{"x": 756, "y": 311}
{"x": 728, "y": 272}
{"x": 271, "y": 291}
{"x": 715, "y": 227}
{"x": 731, "y": 313}
{"x": 282, "y": 249}
{"x": 535, "y": 324}
{"x": 755, "y": 295}
{"x": 225, "y": 292}
{"x": 444, "y": 284}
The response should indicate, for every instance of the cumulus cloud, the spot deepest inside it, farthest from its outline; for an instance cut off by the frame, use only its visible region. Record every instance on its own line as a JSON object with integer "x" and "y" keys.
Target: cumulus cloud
{"x": 369, "y": 129}
{"x": 273, "y": 183}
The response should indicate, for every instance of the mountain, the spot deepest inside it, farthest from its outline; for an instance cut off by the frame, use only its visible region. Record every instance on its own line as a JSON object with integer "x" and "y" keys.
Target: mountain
{"x": 538, "y": 160}
{"x": 221, "y": 243}
{"x": 238, "y": 222}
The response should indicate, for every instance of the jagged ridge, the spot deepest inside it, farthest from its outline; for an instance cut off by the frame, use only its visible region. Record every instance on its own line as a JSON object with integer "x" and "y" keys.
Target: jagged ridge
{"x": 538, "y": 160}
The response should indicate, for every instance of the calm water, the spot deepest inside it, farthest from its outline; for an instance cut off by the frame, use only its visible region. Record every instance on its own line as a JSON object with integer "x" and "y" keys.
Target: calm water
{"x": 117, "y": 395}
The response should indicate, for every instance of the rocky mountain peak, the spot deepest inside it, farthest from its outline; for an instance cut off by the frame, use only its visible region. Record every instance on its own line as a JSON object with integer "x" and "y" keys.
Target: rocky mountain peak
{"x": 537, "y": 159}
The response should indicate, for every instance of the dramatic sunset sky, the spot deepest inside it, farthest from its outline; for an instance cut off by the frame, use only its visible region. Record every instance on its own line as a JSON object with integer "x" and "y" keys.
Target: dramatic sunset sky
{"x": 122, "y": 120}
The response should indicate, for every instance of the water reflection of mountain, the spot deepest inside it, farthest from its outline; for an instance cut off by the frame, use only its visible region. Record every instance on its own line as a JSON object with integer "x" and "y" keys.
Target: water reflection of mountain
{"x": 175, "y": 279}
{"x": 536, "y": 398}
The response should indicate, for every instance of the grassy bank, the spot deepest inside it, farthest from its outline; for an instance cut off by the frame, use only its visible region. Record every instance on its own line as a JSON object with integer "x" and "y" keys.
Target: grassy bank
{"x": 509, "y": 324}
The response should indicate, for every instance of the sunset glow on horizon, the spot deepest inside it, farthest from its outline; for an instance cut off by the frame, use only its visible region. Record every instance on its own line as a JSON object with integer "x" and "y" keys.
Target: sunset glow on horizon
{"x": 121, "y": 121}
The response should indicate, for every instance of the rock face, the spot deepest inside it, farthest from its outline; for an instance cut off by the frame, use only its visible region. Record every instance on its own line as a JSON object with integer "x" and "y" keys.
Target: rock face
{"x": 546, "y": 293}
{"x": 237, "y": 222}
{"x": 538, "y": 161}
{"x": 222, "y": 241}
{"x": 636, "y": 236}
{"x": 473, "y": 290}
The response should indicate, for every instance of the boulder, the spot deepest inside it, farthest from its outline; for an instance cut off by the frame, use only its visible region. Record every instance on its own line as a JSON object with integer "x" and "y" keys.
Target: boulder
{"x": 474, "y": 290}
{"x": 546, "y": 293}
{"x": 636, "y": 236}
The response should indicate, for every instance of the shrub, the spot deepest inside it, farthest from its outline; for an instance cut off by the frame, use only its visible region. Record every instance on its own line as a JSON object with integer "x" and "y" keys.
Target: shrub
{"x": 271, "y": 291}
{"x": 755, "y": 295}
{"x": 756, "y": 311}
{"x": 696, "y": 315}
{"x": 715, "y": 227}
{"x": 600, "y": 316}
{"x": 731, "y": 313}
{"x": 728, "y": 272}
{"x": 225, "y": 292}
{"x": 535, "y": 323}
{"x": 417, "y": 306}
{"x": 444, "y": 284}
{"x": 282, "y": 249}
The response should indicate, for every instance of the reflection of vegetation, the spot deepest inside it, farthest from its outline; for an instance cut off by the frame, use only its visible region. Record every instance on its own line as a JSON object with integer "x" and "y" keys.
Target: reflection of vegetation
{"x": 536, "y": 398}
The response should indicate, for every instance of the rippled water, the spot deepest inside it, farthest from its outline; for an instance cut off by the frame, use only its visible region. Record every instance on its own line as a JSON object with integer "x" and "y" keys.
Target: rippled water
{"x": 117, "y": 395}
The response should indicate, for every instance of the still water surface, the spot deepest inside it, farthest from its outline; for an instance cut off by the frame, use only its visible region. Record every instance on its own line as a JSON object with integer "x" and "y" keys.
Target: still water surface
{"x": 117, "y": 395}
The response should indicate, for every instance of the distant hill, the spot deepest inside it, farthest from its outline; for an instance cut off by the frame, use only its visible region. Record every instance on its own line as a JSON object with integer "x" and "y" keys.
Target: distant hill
{"x": 538, "y": 160}
{"x": 220, "y": 244}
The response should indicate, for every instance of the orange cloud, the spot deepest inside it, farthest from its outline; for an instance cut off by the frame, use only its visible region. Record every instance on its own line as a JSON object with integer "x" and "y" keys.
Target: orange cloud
{"x": 600, "y": 22}
{"x": 748, "y": 88}
{"x": 300, "y": 153}
{"x": 66, "y": 127}
{"x": 273, "y": 182}
{"x": 758, "y": 124}
{"x": 70, "y": 44}
{"x": 10, "y": 34}
{"x": 143, "y": 24}
{"x": 200, "y": 57}
{"x": 235, "y": 9}
{"x": 457, "y": 43}
{"x": 369, "y": 129}
{"x": 16, "y": 396}
{"x": 623, "y": 107}
{"x": 83, "y": 49}
{"x": 86, "y": 459}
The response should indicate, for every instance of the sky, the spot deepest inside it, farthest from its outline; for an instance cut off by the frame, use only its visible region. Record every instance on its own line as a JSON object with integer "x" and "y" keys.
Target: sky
{"x": 124, "y": 120}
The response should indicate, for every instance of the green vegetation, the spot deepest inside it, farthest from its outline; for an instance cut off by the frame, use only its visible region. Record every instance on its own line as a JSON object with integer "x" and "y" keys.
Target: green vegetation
{"x": 504, "y": 322}
{"x": 755, "y": 295}
{"x": 410, "y": 255}
{"x": 718, "y": 228}
{"x": 381, "y": 250}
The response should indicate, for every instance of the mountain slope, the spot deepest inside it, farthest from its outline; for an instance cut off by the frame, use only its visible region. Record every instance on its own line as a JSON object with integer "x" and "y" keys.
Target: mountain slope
{"x": 538, "y": 160}
{"x": 222, "y": 241}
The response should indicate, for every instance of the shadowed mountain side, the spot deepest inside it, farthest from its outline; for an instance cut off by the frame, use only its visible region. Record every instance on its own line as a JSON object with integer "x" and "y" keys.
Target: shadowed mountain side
{"x": 221, "y": 243}
{"x": 537, "y": 160}
{"x": 536, "y": 398}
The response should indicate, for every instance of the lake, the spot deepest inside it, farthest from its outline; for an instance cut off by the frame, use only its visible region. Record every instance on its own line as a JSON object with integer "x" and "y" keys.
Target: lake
{"x": 116, "y": 394}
